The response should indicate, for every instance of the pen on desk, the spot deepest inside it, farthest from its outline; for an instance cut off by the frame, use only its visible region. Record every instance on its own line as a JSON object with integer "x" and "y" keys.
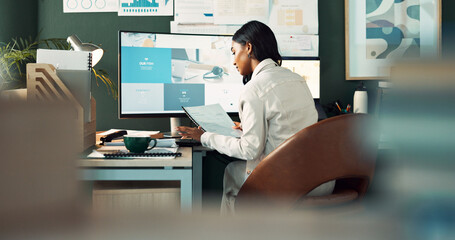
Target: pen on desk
{"x": 338, "y": 106}
{"x": 348, "y": 107}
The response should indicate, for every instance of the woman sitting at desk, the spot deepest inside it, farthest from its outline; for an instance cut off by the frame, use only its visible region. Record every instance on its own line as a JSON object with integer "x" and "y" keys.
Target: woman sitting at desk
{"x": 275, "y": 103}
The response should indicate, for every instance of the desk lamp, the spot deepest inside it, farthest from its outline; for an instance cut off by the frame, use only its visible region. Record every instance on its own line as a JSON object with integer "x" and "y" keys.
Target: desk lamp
{"x": 77, "y": 45}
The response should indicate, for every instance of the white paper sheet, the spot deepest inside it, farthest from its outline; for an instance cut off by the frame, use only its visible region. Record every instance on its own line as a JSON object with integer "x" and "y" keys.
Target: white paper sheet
{"x": 211, "y": 29}
{"x": 298, "y": 45}
{"x": 193, "y": 11}
{"x": 213, "y": 118}
{"x": 95, "y": 154}
{"x": 146, "y": 8}
{"x": 297, "y": 17}
{"x": 129, "y": 132}
{"x": 240, "y": 11}
{"x": 64, "y": 59}
{"x": 166, "y": 143}
{"x": 294, "y": 17}
{"x": 74, "y": 6}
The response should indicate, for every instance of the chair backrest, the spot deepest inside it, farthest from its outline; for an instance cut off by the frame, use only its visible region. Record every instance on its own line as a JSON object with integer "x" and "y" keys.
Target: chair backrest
{"x": 341, "y": 148}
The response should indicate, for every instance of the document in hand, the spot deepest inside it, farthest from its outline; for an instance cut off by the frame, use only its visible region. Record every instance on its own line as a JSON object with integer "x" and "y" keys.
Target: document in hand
{"x": 212, "y": 118}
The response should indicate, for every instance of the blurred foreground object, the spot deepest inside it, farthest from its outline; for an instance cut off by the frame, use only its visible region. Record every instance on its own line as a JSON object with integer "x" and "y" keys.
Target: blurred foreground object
{"x": 418, "y": 118}
{"x": 38, "y": 180}
{"x": 419, "y": 112}
{"x": 13, "y": 95}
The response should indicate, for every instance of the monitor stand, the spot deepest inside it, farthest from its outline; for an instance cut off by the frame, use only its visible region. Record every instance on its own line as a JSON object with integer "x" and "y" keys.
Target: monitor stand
{"x": 175, "y": 122}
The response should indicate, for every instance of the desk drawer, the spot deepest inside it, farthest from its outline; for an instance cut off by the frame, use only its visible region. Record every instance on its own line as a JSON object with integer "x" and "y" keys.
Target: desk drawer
{"x": 109, "y": 196}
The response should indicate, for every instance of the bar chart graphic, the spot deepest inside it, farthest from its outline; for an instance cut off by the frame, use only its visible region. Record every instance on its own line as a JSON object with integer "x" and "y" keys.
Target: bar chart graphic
{"x": 146, "y": 8}
{"x": 141, "y": 3}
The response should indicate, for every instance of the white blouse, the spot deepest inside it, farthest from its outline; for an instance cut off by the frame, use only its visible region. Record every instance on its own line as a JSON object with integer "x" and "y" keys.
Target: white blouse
{"x": 273, "y": 106}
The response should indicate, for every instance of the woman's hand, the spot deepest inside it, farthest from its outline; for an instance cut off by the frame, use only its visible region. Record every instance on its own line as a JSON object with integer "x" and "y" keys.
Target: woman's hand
{"x": 238, "y": 125}
{"x": 188, "y": 132}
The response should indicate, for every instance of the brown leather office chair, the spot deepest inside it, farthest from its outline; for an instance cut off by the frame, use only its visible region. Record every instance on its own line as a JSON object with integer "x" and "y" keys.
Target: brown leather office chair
{"x": 341, "y": 148}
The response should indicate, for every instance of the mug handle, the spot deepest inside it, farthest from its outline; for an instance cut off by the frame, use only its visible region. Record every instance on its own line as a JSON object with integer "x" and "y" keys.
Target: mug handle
{"x": 154, "y": 144}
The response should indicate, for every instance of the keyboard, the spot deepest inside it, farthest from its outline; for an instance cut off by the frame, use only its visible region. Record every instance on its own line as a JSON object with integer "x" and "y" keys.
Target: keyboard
{"x": 187, "y": 142}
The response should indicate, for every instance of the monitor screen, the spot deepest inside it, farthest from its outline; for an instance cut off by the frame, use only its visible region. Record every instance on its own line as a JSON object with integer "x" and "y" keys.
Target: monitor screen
{"x": 308, "y": 68}
{"x": 160, "y": 73}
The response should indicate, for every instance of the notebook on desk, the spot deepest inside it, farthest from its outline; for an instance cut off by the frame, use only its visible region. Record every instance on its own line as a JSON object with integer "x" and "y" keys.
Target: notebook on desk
{"x": 118, "y": 150}
{"x": 123, "y": 155}
{"x": 127, "y": 155}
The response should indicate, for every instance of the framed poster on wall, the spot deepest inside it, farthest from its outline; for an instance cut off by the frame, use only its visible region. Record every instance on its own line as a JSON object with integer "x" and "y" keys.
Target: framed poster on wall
{"x": 379, "y": 32}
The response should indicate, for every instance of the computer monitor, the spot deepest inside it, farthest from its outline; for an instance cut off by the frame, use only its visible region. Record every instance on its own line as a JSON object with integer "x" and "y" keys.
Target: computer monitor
{"x": 160, "y": 73}
{"x": 308, "y": 68}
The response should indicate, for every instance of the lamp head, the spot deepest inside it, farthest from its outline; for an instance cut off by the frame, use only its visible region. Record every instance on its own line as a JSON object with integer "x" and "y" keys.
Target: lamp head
{"x": 77, "y": 45}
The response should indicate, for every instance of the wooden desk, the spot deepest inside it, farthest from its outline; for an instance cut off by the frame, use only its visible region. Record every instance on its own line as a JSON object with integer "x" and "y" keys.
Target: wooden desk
{"x": 187, "y": 169}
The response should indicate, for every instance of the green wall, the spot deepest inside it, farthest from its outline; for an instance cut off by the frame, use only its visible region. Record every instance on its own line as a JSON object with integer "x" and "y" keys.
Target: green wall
{"x": 332, "y": 55}
{"x": 101, "y": 28}
{"x": 17, "y": 20}
{"x": 448, "y": 28}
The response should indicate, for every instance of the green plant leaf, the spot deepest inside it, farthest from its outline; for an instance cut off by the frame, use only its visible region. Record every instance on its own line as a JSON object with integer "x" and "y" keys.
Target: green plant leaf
{"x": 103, "y": 76}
